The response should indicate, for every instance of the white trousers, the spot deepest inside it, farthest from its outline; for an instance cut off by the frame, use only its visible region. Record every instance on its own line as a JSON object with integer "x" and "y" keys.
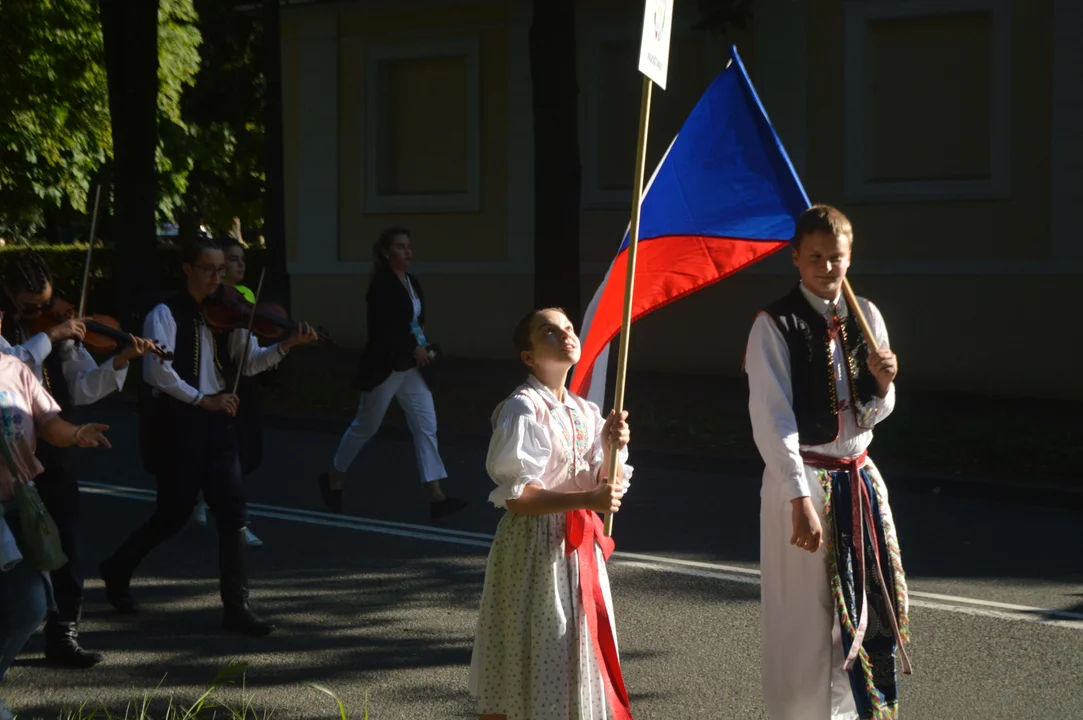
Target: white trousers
{"x": 415, "y": 399}
{"x": 802, "y": 673}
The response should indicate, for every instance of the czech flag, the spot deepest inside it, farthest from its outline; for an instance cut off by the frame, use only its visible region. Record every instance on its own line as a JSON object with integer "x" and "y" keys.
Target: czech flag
{"x": 724, "y": 196}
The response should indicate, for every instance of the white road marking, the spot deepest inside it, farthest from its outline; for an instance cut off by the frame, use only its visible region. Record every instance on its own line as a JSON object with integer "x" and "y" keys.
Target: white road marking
{"x": 655, "y": 563}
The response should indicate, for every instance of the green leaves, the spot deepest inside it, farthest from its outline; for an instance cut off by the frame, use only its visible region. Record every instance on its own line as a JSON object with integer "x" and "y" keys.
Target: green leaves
{"x": 54, "y": 120}
{"x": 55, "y": 133}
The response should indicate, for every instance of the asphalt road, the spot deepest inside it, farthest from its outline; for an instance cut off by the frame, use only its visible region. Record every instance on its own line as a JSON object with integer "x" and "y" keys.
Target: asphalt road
{"x": 381, "y": 604}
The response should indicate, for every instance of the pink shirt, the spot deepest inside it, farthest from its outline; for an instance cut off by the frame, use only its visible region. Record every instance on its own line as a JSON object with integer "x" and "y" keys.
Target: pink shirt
{"x": 24, "y": 407}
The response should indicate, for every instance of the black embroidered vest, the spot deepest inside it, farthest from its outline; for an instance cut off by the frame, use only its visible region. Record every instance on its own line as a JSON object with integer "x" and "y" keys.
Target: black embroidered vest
{"x": 188, "y": 348}
{"x": 815, "y": 404}
{"x": 52, "y": 370}
{"x": 159, "y": 416}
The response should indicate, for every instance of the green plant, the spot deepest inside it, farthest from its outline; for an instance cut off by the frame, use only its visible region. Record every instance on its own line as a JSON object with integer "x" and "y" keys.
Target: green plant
{"x": 206, "y": 707}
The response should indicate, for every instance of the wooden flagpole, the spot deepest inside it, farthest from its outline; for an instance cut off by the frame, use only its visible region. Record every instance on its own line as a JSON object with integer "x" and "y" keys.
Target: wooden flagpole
{"x": 851, "y": 302}
{"x": 630, "y": 278}
{"x": 654, "y": 65}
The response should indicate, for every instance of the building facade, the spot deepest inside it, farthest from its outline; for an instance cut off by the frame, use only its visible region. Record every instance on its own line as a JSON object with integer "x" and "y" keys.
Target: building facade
{"x": 948, "y": 130}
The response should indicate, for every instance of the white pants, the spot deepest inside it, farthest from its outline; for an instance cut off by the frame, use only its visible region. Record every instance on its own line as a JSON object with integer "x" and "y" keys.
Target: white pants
{"x": 414, "y": 398}
{"x": 802, "y": 671}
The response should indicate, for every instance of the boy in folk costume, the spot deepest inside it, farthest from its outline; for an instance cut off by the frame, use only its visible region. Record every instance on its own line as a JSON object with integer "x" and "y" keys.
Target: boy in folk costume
{"x": 190, "y": 441}
{"x": 834, "y": 611}
{"x": 545, "y": 646}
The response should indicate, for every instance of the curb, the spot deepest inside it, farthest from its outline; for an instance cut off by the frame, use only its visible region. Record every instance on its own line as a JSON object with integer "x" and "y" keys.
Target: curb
{"x": 1021, "y": 491}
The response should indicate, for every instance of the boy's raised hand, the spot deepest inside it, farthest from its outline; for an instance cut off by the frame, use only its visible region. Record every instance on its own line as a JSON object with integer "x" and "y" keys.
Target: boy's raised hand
{"x": 884, "y": 366}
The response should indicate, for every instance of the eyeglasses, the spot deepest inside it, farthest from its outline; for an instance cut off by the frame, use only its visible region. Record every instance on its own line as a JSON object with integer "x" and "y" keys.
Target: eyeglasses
{"x": 219, "y": 270}
{"x": 31, "y": 310}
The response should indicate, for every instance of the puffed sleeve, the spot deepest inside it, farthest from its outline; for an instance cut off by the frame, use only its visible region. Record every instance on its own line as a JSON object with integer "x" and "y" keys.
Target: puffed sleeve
{"x": 519, "y": 450}
{"x": 596, "y": 453}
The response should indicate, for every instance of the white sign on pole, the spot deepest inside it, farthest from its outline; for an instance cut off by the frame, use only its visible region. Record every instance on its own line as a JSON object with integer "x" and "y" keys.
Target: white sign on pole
{"x": 654, "y": 49}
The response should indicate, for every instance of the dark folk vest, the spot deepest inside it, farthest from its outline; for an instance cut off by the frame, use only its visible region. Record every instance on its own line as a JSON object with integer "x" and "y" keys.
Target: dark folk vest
{"x": 808, "y": 337}
{"x": 162, "y": 415}
{"x": 188, "y": 348}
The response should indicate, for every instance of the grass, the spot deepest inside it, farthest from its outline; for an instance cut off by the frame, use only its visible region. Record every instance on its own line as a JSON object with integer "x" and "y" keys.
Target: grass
{"x": 207, "y": 706}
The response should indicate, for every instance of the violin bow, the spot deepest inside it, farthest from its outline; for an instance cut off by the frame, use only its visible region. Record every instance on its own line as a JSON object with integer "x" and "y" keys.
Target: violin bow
{"x": 248, "y": 337}
{"x": 89, "y": 249}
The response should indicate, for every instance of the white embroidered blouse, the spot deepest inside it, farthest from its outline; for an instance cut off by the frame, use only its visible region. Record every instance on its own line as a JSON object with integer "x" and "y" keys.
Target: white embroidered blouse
{"x": 530, "y": 444}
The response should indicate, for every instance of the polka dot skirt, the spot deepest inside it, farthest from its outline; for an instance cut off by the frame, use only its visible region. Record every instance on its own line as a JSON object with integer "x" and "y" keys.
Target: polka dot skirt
{"x": 533, "y": 657}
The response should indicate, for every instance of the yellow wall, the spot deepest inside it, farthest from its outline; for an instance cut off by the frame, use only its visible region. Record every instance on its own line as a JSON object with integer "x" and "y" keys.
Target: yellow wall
{"x": 467, "y": 315}
{"x": 437, "y": 236}
{"x": 1013, "y": 228}
{"x": 952, "y": 332}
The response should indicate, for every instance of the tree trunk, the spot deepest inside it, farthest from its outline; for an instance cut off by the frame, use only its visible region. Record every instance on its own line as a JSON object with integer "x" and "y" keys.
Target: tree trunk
{"x": 274, "y": 194}
{"x": 130, "y": 34}
{"x": 557, "y": 172}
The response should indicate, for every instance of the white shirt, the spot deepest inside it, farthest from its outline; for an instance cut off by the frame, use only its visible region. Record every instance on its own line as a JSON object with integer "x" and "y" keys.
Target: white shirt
{"x": 770, "y": 402}
{"x": 528, "y": 447}
{"x": 413, "y": 297}
{"x": 88, "y": 382}
{"x": 161, "y": 326}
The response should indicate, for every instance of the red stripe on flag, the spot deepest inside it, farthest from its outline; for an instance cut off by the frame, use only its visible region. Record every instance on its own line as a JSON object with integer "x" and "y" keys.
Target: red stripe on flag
{"x": 667, "y": 269}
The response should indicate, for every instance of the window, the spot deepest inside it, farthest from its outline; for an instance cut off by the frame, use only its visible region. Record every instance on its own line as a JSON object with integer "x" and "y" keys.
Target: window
{"x": 422, "y": 127}
{"x": 927, "y": 99}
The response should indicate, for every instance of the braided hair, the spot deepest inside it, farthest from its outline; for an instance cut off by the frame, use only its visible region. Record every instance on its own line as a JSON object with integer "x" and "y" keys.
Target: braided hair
{"x": 27, "y": 272}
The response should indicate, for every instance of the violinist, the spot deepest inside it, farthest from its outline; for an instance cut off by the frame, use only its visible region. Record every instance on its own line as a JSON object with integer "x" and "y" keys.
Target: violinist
{"x": 73, "y": 378}
{"x": 191, "y": 437}
{"x": 233, "y": 247}
{"x": 250, "y": 409}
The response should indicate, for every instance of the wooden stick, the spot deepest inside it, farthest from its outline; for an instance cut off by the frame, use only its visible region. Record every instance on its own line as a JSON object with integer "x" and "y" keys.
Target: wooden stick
{"x": 855, "y": 308}
{"x": 629, "y": 282}
{"x": 248, "y": 337}
{"x": 89, "y": 249}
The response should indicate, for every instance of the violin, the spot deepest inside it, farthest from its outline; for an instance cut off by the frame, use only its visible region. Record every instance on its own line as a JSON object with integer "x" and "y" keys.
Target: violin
{"x": 103, "y": 333}
{"x": 227, "y": 309}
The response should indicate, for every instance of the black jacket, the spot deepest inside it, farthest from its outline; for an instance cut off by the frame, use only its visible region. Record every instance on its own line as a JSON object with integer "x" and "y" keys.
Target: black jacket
{"x": 391, "y": 342}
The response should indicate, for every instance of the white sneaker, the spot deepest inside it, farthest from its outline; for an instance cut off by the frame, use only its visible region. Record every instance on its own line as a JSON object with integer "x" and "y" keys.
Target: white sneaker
{"x": 5, "y": 713}
{"x": 253, "y": 541}
{"x": 200, "y": 516}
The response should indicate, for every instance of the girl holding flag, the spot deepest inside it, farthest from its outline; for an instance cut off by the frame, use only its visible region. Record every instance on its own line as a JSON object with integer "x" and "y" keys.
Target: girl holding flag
{"x": 545, "y": 646}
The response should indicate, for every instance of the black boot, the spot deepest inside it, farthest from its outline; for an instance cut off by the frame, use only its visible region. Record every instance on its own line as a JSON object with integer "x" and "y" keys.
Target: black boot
{"x": 332, "y": 497}
{"x": 238, "y": 616}
{"x": 62, "y": 645}
{"x": 118, "y": 586}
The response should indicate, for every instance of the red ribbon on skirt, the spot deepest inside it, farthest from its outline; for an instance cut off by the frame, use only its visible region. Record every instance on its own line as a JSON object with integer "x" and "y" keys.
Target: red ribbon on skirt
{"x": 582, "y": 529}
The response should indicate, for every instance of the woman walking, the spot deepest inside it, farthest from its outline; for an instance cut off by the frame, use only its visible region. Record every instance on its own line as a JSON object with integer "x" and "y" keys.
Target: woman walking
{"x": 391, "y": 367}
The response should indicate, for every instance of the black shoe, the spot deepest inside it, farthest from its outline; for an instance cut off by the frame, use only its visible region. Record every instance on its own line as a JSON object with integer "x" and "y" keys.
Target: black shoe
{"x": 233, "y": 570}
{"x": 62, "y": 646}
{"x": 118, "y": 589}
{"x": 331, "y": 498}
{"x": 445, "y": 507}
{"x": 243, "y": 620}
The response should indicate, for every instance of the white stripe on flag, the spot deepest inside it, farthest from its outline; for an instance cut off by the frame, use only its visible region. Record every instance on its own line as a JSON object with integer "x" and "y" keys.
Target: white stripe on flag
{"x": 596, "y": 388}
